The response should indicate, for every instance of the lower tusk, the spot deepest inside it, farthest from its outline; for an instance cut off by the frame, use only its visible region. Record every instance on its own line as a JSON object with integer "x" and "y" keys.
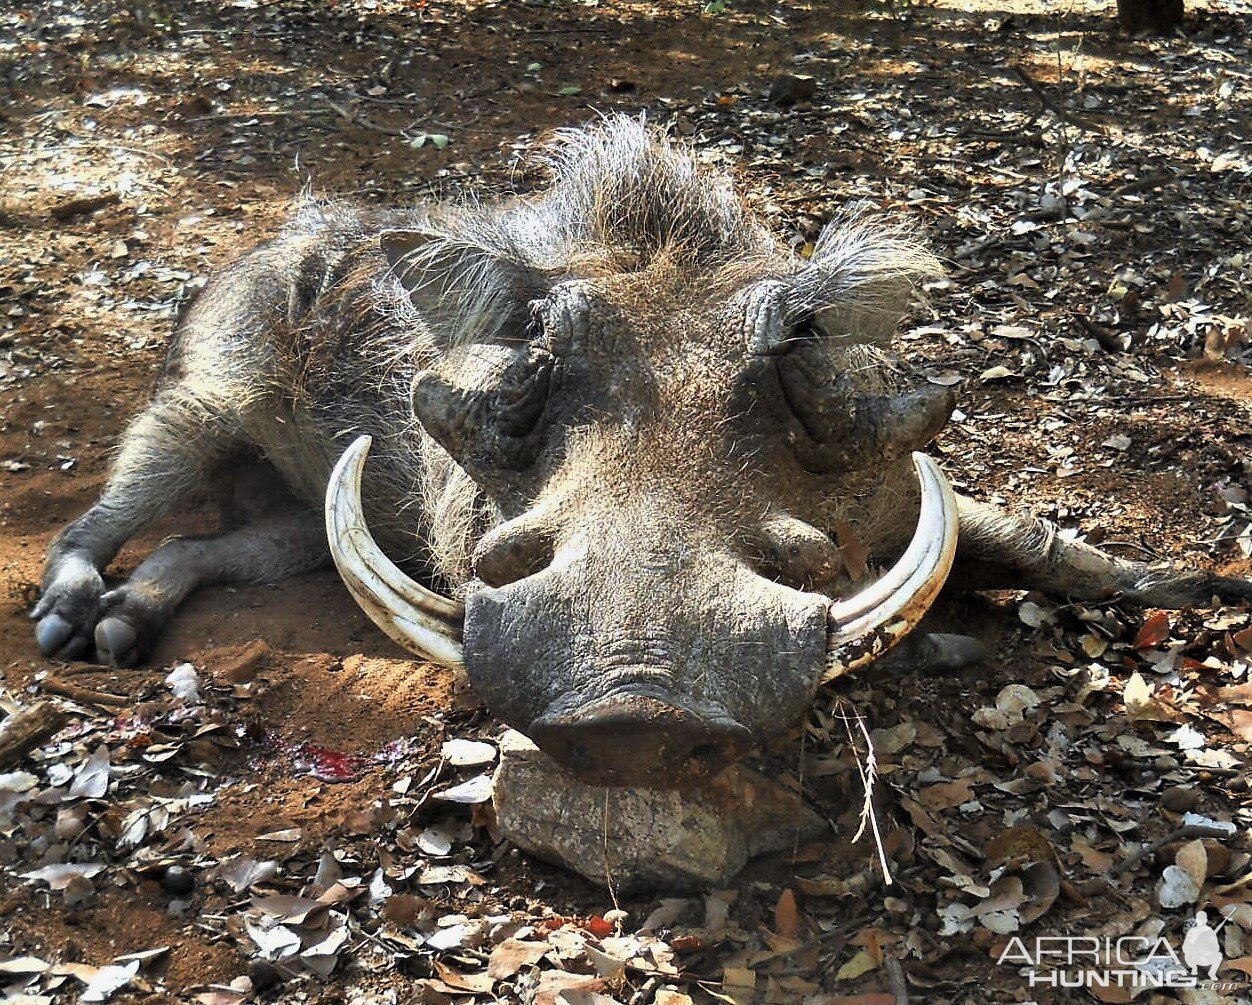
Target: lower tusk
{"x": 865, "y": 627}
{"x": 422, "y": 621}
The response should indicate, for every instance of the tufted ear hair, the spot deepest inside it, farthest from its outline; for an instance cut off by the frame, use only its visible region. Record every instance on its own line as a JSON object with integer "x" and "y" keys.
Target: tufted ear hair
{"x": 465, "y": 290}
{"x": 858, "y": 283}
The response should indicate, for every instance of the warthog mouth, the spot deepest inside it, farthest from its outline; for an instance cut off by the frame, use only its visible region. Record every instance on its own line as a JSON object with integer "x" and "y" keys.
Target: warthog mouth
{"x": 860, "y": 629}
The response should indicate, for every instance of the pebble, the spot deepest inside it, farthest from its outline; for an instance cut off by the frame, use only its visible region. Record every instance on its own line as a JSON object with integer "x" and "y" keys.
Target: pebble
{"x": 178, "y": 881}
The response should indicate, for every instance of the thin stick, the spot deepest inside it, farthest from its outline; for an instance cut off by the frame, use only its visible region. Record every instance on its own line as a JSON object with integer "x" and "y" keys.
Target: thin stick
{"x": 83, "y": 694}
{"x": 608, "y": 875}
{"x": 1048, "y": 101}
{"x": 1146, "y": 182}
{"x": 360, "y": 120}
{"x": 895, "y": 980}
{"x": 868, "y": 772}
{"x": 1187, "y": 833}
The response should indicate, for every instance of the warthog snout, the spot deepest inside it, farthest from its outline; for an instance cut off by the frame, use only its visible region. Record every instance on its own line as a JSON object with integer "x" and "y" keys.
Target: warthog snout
{"x": 645, "y": 665}
{"x": 641, "y": 738}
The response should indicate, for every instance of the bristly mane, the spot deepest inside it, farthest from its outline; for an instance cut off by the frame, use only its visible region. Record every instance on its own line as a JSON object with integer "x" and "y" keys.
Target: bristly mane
{"x": 620, "y": 197}
{"x": 622, "y": 186}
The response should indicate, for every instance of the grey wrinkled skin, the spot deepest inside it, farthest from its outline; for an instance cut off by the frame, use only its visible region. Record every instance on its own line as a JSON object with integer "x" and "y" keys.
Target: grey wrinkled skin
{"x": 618, "y": 418}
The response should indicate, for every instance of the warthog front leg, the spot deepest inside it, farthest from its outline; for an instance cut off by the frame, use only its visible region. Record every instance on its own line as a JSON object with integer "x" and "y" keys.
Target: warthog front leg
{"x": 1004, "y": 551}
{"x": 132, "y": 615}
{"x": 164, "y": 458}
{"x": 170, "y": 454}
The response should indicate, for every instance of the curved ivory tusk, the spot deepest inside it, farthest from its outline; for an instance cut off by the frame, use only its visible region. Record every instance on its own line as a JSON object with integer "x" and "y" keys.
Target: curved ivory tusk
{"x": 425, "y": 623}
{"x": 865, "y": 627}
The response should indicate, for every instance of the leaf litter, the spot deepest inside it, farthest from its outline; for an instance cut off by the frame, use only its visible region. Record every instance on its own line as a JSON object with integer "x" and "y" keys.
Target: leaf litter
{"x": 1094, "y": 318}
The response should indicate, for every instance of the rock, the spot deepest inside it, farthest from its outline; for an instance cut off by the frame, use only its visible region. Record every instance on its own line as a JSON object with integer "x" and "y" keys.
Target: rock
{"x": 264, "y": 975}
{"x": 240, "y": 665}
{"x": 1180, "y": 800}
{"x": 791, "y": 88}
{"x": 177, "y": 881}
{"x": 655, "y": 838}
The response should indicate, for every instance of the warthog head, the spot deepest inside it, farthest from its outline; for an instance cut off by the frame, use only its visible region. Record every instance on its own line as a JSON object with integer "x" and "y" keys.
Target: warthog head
{"x": 663, "y": 414}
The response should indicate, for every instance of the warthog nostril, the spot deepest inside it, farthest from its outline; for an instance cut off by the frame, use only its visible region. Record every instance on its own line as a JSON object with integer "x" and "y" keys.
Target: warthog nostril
{"x": 707, "y": 753}
{"x": 638, "y": 740}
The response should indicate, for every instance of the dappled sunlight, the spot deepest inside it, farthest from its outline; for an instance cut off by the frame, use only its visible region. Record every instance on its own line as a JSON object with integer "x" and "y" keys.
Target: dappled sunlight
{"x": 317, "y": 819}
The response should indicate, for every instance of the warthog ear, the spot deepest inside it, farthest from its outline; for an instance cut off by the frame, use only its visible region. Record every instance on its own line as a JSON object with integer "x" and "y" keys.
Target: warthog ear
{"x": 465, "y": 290}
{"x": 858, "y": 283}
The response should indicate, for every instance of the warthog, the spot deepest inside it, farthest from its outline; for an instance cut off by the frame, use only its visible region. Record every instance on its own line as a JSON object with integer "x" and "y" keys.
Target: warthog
{"x": 618, "y": 425}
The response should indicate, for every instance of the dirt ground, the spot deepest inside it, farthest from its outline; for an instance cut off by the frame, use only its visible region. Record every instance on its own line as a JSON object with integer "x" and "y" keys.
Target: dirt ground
{"x": 1088, "y": 192}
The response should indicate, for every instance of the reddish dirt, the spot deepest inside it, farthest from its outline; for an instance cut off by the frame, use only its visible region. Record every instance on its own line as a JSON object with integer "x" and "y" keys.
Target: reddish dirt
{"x": 241, "y": 107}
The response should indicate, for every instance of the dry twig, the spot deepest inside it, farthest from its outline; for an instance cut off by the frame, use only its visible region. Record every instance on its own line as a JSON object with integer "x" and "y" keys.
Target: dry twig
{"x": 1050, "y": 103}
{"x": 868, "y": 771}
{"x": 896, "y": 981}
{"x": 84, "y": 694}
{"x": 1187, "y": 833}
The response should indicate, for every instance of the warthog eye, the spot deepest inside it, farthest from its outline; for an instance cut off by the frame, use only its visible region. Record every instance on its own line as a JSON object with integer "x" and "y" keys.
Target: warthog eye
{"x": 770, "y": 327}
{"x": 485, "y": 404}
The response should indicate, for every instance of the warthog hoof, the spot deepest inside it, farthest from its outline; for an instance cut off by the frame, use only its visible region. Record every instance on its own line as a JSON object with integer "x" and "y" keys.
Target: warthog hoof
{"x": 67, "y": 612}
{"x": 115, "y": 642}
{"x": 52, "y": 633}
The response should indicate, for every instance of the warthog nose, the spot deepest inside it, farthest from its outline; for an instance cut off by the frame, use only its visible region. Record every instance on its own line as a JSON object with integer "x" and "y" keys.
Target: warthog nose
{"x": 638, "y": 740}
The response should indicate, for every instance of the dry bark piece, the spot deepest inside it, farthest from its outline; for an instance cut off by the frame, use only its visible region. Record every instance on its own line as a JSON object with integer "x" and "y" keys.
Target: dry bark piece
{"x": 23, "y": 731}
{"x": 84, "y": 204}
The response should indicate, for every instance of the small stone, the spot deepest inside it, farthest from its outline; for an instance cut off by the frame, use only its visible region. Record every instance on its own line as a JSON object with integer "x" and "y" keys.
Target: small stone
{"x": 789, "y": 88}
{"x": 1180, "y": 800}
{"x": 264, "y": 975}
{"x": 177, "y": 881}
{"x": 239, "y": 667}
{"x": 644, "y": 838}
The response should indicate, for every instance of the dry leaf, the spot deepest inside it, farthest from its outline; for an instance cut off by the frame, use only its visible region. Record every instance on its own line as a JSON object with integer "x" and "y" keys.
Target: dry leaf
{"x": 479, "y": 984}
{"x": 861, "y": 963}
{"x": 1177, "y": 888}
{"x": 553, "y": 982}
{"x": 1042, "y": 885}
{"x": 1141, "y": 705}
{"x": 1019, "y": 846}
{"x": 787, "y": 915}
{"x": 946, "y": 795}
{"x": 1194, "y": 860}
{"x": 1153, "y": 631}
{"x": 512, "y": 954}
{"x": 466, "y": 753}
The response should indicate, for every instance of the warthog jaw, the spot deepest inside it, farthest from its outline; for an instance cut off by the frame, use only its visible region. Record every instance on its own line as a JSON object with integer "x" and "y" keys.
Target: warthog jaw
{"x": 862, "y": 628}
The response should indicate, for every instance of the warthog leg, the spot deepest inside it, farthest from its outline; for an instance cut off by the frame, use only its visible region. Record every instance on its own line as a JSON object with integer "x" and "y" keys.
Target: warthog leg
{"x": 933, "y": 653}
{"x": 164, "y": 458}
{"x": 170, "y": 454}
{"x": 1005, "y": 551}
{"x": 132, "y": 615}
